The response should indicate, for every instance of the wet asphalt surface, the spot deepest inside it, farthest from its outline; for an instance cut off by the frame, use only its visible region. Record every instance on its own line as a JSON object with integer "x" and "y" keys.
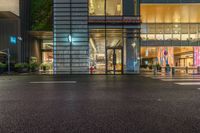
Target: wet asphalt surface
{"x": 97, "y": 104}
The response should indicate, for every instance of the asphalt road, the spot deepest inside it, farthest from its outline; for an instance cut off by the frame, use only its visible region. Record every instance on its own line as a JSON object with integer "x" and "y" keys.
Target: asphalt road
{"x": 97, "y": 104}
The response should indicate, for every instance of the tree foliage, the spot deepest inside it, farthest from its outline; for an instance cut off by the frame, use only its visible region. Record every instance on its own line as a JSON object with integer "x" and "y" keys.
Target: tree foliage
{"x": 41, "y": 15}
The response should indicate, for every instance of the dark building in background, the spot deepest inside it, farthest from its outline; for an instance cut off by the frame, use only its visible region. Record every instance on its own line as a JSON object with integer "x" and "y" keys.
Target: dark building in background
{"x": 19, "y": 27}
{"x": 9, "y": 33}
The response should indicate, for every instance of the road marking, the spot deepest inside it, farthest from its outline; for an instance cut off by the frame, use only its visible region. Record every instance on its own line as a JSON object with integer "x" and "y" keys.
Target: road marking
{"x": 198, "y": 88}
{"x": 187, "y": 79}
{"x": 188, "y": 83}
{"x": 54, "y": 82}
{"x": 159, "y": 100}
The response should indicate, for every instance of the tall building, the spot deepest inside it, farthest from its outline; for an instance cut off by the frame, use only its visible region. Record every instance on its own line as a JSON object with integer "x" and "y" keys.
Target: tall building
{"x": 10, "y": 30}
{"x": 100, "y": 35}
{"x": 15, "y": 23}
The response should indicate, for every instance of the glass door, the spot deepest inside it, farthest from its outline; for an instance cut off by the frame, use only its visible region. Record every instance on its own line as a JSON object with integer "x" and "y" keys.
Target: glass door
{"x": 114, "y": 61}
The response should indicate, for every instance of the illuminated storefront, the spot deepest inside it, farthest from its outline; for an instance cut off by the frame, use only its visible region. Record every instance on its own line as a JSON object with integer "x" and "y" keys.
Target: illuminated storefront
{"x": 96, "y": 36}
{"x": 173, "y": 56}
{"x": 170, "y": 35}
{"x": 104, "y": 36}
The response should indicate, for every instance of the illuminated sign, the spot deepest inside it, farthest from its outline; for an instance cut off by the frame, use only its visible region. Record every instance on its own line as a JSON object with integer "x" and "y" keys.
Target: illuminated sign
{"x": 13, "y": 40}
{"x": 197, "y": 56}
{"x": 70, "y": 38}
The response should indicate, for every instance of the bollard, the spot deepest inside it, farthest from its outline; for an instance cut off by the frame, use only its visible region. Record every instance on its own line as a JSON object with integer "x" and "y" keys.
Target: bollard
{"x": 186, "y": 69}
{"x": 173, "y": 70}
{"x": 154, "y": 70}
{"x": 167, "y": 69}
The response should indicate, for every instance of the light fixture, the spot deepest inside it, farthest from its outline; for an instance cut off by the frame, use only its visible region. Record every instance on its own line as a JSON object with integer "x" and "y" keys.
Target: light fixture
{"x": 133, "y": 45}
{"x": 70, "y": 38}
{"x": 147, "y": 52}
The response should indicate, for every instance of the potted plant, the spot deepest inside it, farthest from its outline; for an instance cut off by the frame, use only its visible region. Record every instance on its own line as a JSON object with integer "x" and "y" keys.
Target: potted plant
{"x": 22, "y": 67}
{"x": 44, "y": 67}
{"x": 158, "y": 67}
{"x": 34, "y": 67}
{"x": 150, "y": 66}
{"x": 2, "y": 67}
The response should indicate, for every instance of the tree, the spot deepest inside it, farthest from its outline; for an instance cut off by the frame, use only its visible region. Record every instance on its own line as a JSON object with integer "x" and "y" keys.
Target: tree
{"x": 41, "y": 14}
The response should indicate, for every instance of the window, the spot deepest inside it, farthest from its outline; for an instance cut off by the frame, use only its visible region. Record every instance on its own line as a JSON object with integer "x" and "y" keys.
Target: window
{"x": 96, "y": 7}
{"x": 111, "y": 7}
{"x": 193, "y": 31}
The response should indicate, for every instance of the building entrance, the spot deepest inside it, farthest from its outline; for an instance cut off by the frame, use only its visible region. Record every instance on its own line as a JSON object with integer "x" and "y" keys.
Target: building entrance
{"x": 114, "y": 61}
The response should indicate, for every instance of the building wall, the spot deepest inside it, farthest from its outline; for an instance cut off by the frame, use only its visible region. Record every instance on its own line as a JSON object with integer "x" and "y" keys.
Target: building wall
{"x": 36, "y": 49}
{"x": 71, "y": 47}
{"x": 170, "y": 24}
{"x": 10, "y": 5}
{"x": 10, "y": 27}
{"x": 71, "y": 32}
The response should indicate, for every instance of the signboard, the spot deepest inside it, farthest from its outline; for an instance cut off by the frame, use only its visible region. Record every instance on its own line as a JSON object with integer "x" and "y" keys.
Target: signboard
{"x": 13, "y": 40}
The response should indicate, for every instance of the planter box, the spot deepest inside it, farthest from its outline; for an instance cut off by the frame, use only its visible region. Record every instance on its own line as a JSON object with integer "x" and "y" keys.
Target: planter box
{"x": 2, "y": 70}
{"x": 22, "y": 70}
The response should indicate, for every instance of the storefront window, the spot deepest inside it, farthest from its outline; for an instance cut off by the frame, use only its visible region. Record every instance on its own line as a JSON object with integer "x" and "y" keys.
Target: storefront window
{"x": 151, "y": 28}
{"x": 114, "y": 38}
{"x": 114, "y": 51}
{"x": 168, "y": 36}
{"x": 174, "y": 56}
{"x": 159, "y": 37}
{"x": 144, "y": 28}
{"x": 185, "y": 37}
{"x": 176, "y": 36}
{"x": 168, "y": 28}
{"x": 144, "y": 36}
{"x": 151, "y": 37}
{"x": 160, "y": 28}
{"x": 97, "y": 7}
{"x": 193, "y": 31}
{"x": 97, "y": 51}
{"x": 47, "y": 57}
{"x": 176, "y": 32}
{"x": 112, "y": 7}
{"x": 47, "y": 51}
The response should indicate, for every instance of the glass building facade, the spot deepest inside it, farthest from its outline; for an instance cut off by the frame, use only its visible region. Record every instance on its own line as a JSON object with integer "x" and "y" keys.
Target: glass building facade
{"x": 123, "y": 37}
{"x": 96, "y": 36}
{"x": 170, "y": 34}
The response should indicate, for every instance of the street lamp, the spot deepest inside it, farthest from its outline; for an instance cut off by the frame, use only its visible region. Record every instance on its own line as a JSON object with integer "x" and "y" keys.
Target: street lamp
{"x": 6, "y": 52}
